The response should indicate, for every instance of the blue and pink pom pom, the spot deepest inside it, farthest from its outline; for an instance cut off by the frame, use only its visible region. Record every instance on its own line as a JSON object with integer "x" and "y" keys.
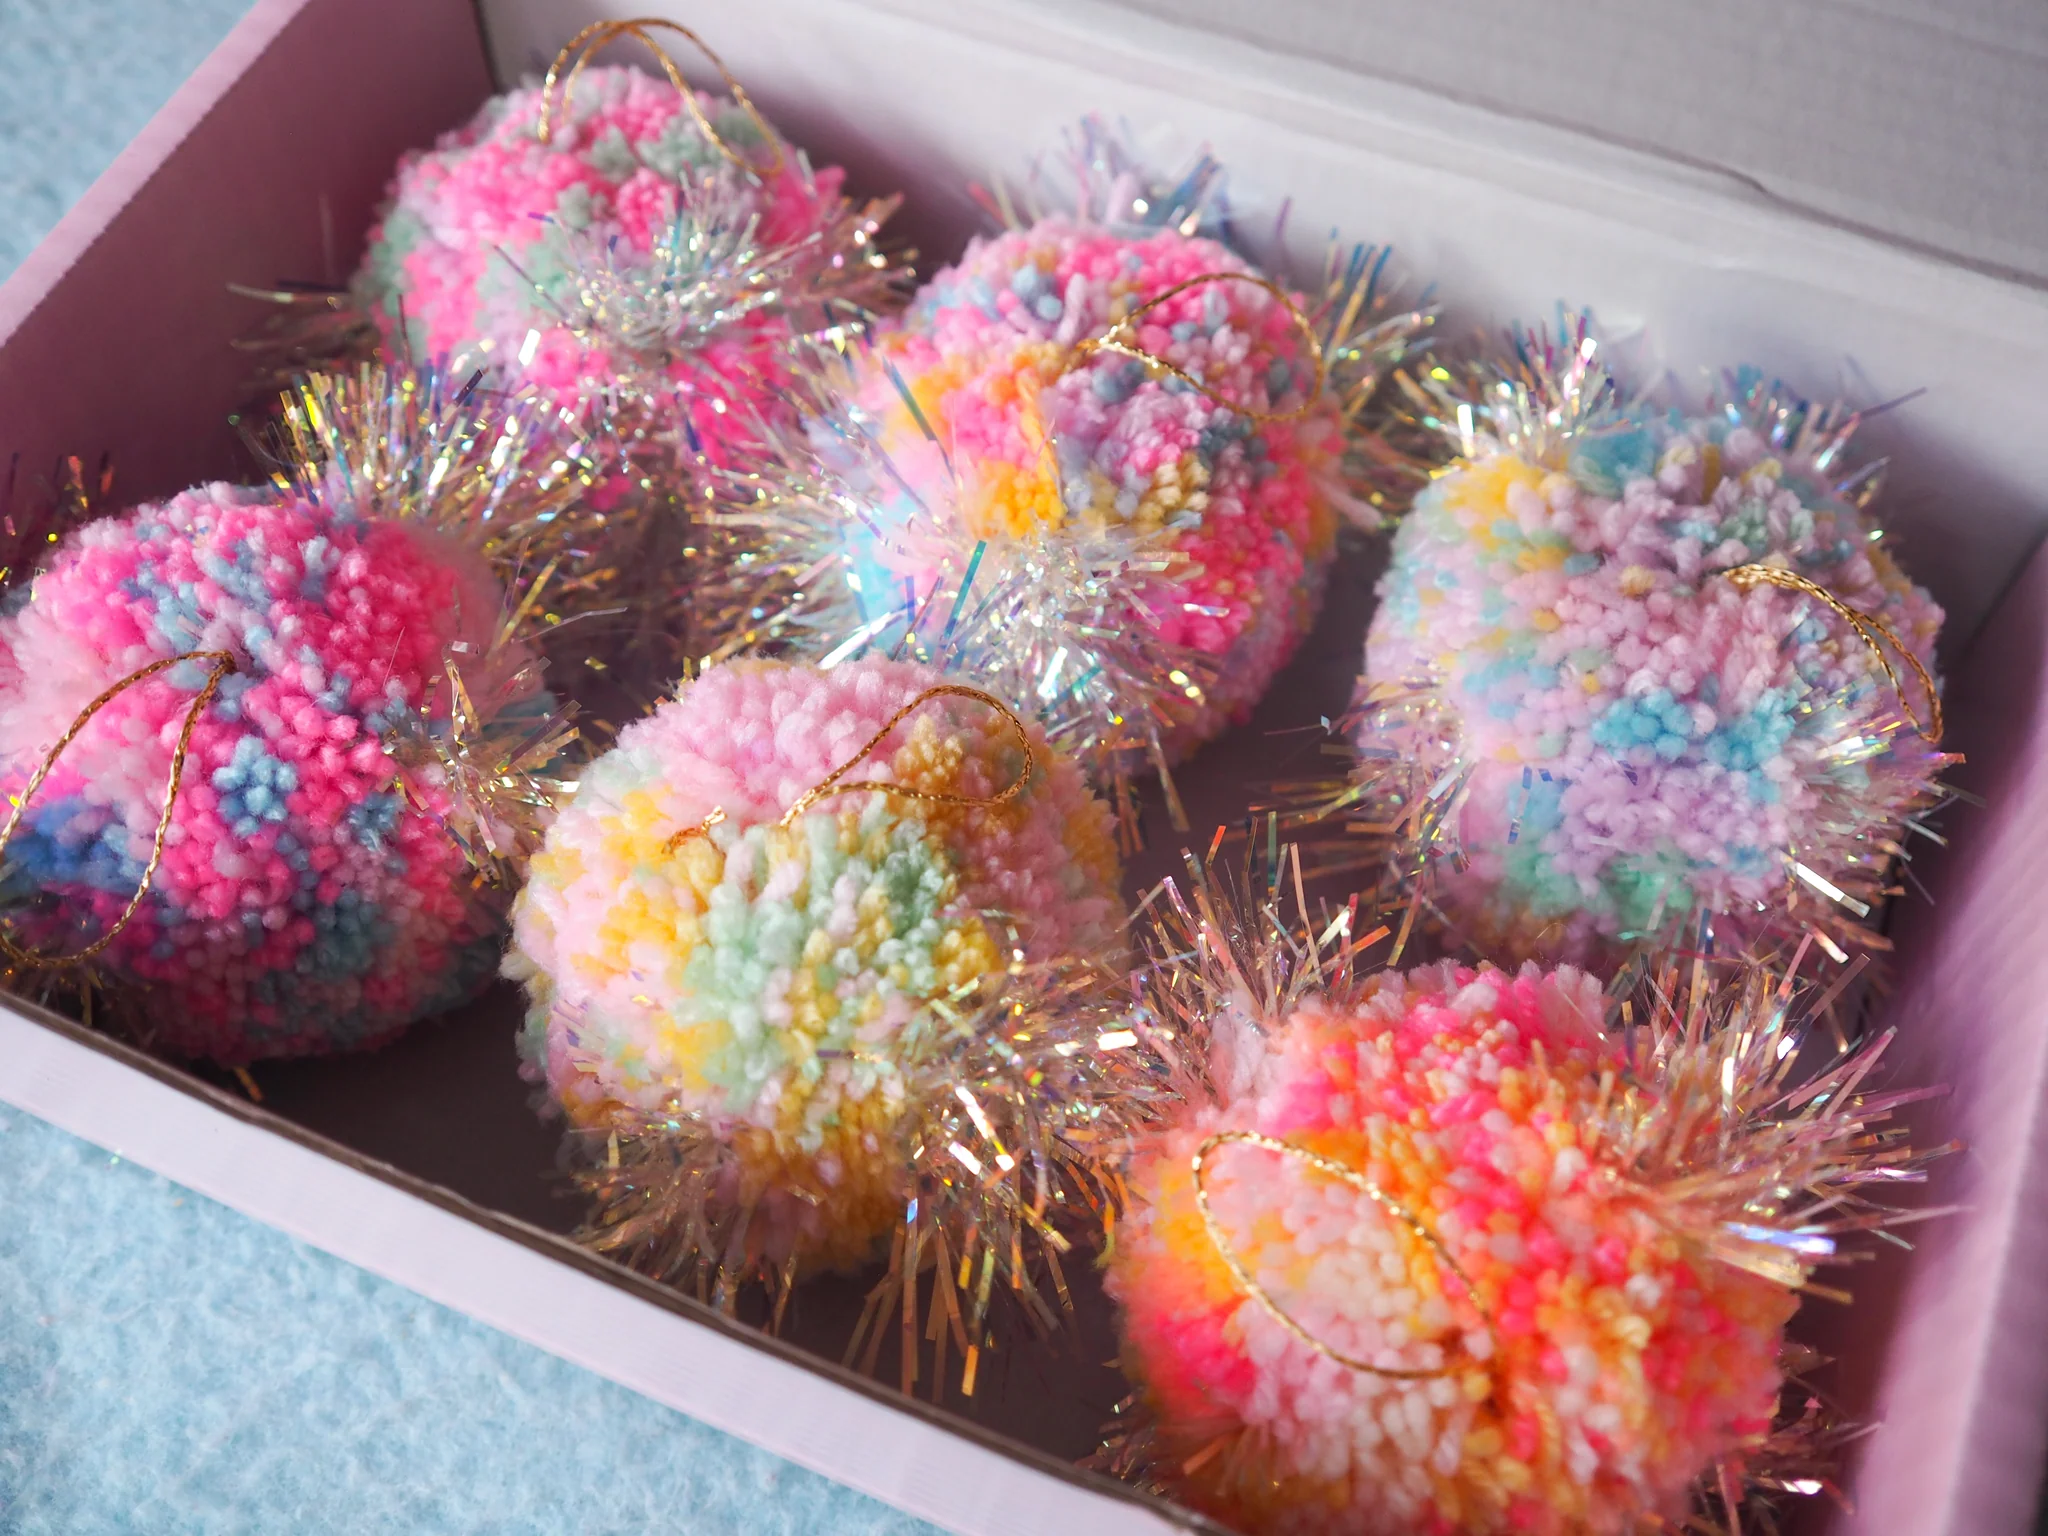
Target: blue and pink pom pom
{"x": 309, "y": 898}
{"x": 1649, "y": 681}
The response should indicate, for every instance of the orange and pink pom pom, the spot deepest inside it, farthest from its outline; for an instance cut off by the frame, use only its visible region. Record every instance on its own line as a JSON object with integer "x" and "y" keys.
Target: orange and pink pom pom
{"x": 1427, "y": 1293}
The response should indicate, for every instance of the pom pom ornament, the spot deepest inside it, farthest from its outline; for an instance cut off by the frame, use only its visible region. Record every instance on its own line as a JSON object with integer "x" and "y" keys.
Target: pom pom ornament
{"x": 1437, "y": 1253}
{"x": 637, "y": 252}
{"x": 1097, "y": 465}
{"x": 1638, "y": 679}
{"x": 806, "y": 960}
{"x": 272, "y": 753}
{"x": 637, "y": 256}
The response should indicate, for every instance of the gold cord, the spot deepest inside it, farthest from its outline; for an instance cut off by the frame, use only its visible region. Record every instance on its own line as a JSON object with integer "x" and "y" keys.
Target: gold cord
{"x": 223, "y": 664}
{"x": 1357, "y": 1181}
{"x": 1869, "y": 629}
{"x": 831, "y": 785}
{"x": 1112, "y": 340}
{"x": 599, "y": 33}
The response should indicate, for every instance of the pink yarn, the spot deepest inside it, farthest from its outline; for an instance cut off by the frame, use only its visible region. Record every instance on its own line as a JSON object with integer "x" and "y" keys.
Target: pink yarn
{"x": 1244, "y": 510}
{"x": 1574, "y": 1357}
{"x": 776, "y": 987}
{"x": 304, "y": 902}
{"x": 485, "y": 237}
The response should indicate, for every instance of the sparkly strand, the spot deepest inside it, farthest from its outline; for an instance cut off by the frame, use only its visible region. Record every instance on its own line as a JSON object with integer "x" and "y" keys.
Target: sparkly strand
{"x": 1132, "y": 631}
{"x": 1510, "y": 773}
{"x": 506, "y": 477}
{"x": 1720, "y": 1118}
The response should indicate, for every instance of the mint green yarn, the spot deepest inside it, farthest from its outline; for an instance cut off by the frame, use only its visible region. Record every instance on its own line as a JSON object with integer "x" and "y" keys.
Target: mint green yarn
{"x": 760, "y": 922}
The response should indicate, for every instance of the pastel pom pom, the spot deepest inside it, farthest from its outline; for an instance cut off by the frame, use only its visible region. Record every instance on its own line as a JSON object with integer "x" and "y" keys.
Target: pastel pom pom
{"x": 1240, "y": 513}
{"x": 624, "y": 263}
{"x": 310, "y": 897}
{"x": 1508, "y": 1334}
{"x": 717, "y": 979}
{"x": 1651, "y": 681}
{"x": 1098, "y": 464}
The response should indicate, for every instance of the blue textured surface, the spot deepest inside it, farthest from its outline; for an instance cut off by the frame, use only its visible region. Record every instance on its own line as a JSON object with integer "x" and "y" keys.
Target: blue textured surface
{"x": 167, "y": 1365}
{"x": 82, "y": 77}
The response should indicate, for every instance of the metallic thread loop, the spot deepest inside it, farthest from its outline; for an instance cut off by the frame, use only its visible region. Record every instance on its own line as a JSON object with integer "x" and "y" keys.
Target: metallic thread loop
{"x": 831, "y": 784}
{"x": 223, "y": 664}
{"x": 1869, "y": 629}
{"x": 1357, "y": 1181}
{"x": 1112, "y": 340}
{"x": 599, "y": 33}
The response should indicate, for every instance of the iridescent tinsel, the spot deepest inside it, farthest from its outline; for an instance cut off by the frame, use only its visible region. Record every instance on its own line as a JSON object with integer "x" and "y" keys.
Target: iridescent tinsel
{"x": 1018, "y": 1102}
{"x": 35, "y": 519}
{"x": 508, "y": 477}
{"x": 824, "y": 966}
{"x": 1485, "y": 740}
{"x": 806, "y": 549}
{"x": 1728, "y": 1137}
{"x": 633, "y": 253}
{"x": 275, "y": 754}
{"x": 1370, "y": 339}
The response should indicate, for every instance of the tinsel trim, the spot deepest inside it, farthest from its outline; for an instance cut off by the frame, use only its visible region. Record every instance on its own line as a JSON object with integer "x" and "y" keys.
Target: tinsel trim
{"x": 1743, "y": 1118}
{"x": 508, "y": 478}
{"x": 1019, "y": 1097}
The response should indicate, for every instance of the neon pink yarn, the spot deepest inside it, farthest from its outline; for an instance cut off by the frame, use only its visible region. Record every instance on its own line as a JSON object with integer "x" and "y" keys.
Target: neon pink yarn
{"x": 1574, "y": 1358}
{"x": 1243, "y": 510}
{"x": 304, "y": 903}
{"x": 485, "y": 235}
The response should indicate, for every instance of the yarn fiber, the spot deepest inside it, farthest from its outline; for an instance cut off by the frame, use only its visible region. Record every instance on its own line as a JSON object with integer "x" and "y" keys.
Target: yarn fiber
{"x": 307, "y": 901}
{"x": 1237, "y": 515}
{"x": 1645, "y": 740}
{"x": 775, "y": 983}
{"x": 1592, "y": 1362}
{"x": 488, "y": 237}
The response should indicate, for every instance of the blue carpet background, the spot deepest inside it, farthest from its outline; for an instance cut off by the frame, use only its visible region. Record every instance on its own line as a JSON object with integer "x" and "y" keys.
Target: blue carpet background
{"x": 168, "y": 1366}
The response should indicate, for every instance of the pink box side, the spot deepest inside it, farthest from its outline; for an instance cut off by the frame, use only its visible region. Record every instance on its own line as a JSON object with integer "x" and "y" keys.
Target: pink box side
{"x": 286, "y": 163}
{"x": 576, "y": 1306}
{"x": 1961, "y": 1390}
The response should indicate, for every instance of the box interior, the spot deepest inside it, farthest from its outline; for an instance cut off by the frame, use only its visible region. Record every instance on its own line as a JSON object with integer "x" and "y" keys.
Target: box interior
{"x": 1502, "y": 218}
{"x": 1919, "y": 122}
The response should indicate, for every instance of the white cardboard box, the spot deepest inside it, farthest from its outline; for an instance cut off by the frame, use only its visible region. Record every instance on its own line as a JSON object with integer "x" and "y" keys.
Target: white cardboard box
{"x": 267, "y": 165}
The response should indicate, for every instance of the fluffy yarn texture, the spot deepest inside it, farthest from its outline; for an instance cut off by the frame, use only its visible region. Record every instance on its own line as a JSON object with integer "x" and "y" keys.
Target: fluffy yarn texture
{"x": 492, "y": 236}
{"x": 1645, "y": 740}
{"x": 306, "y": 902}
{"x": 1592, "y": 1364}
{"x": 1238, "y": 515}
{"x": 765, "y": 980}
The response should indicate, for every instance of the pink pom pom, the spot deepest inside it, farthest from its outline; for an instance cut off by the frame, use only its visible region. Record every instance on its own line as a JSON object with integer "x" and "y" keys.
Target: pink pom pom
{"x": 712, "y": 977}
{"x": 574, "y": 265}
{"x": 1231, "y": 498}
{"x": 1469, "y": 1316}
{"x": 306, "y": 900}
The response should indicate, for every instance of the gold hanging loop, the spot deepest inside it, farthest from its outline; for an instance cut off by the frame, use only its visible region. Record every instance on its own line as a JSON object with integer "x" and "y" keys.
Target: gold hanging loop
{"x": 223, "y": 664}
{"x": 1121, "y": 339}
{"x": 599, "y": 33}
{"x": 832, "y": 784}
{"x": 1327, "y": 1165}
{"x": 1869, "y": 628}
